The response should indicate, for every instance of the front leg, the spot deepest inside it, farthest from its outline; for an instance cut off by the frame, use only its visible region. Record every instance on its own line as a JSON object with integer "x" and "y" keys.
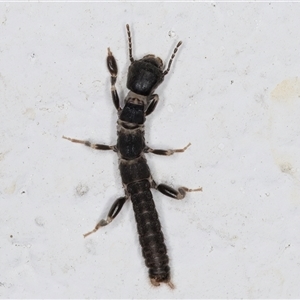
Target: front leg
{"x": 113, "y": 70}
{"x": 89, "y": 144}
{"x": 165, "y": 152}
{"x": 153, "y": 102}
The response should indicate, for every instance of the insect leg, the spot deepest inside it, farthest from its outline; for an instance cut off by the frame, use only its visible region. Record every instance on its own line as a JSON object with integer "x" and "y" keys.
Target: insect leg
{"x": 89, "y": 144}
{"x": 113, "y": 70}
{"x": 176, "y": 194}
{"x": 113, "y": 212}
{"x": 152, "y": 105}
{"x": 165, "y": 152}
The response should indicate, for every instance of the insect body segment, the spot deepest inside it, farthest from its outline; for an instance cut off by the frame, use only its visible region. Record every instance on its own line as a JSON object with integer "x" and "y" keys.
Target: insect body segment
{"x": 144, "y": 76}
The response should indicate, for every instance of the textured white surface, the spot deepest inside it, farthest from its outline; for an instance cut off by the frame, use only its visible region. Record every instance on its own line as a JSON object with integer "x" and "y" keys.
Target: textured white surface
{"x": 233, "y": 92}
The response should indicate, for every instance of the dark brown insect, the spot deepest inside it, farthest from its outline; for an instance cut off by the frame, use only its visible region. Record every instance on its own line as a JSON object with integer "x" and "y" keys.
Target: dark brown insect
{"x": 144, "y": 76}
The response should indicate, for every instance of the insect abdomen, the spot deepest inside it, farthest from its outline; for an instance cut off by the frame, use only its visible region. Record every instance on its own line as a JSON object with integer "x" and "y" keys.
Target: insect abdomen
{"x": 149, "y": 229}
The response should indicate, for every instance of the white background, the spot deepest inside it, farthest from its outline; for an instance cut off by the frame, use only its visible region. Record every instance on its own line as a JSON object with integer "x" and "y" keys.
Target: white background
{"x": 233, "y": 92}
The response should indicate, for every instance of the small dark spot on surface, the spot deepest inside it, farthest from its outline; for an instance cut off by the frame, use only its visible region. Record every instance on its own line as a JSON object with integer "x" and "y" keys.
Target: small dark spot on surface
{"x": 11, "y": 236}
{"x": 231, "y": 82}
{"x": 286, "y": 168}
{"x": 171, "y": 33}
{"x": 39, "y": 221}
{"x": 81, "y": 189}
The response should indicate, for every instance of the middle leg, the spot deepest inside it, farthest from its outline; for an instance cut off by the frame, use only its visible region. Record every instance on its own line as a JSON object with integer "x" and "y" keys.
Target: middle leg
{"x": 165, "y": 152}
{"x": 89, "y": 144}
{"x": 176, "y": 194}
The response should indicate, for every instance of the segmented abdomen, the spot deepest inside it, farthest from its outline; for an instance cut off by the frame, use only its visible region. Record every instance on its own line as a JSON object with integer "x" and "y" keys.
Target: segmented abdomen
{"x": 149, "y": 229}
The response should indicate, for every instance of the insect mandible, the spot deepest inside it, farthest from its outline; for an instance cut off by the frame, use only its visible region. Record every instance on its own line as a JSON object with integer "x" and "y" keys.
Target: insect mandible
{"x": 144, "y": 76}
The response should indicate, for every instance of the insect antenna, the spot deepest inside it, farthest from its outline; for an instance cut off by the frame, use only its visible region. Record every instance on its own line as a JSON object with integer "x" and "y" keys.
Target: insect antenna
{"x": 130, "y": 44}
{"x": 172, "y": 57}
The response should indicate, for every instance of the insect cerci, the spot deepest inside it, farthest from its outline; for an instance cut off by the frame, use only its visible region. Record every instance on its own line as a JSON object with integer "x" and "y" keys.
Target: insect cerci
{"x": 144, "y": 76}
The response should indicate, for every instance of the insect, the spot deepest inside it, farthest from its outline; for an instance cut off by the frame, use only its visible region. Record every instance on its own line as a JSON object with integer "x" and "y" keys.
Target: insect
{"x": 144, "y": 76}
